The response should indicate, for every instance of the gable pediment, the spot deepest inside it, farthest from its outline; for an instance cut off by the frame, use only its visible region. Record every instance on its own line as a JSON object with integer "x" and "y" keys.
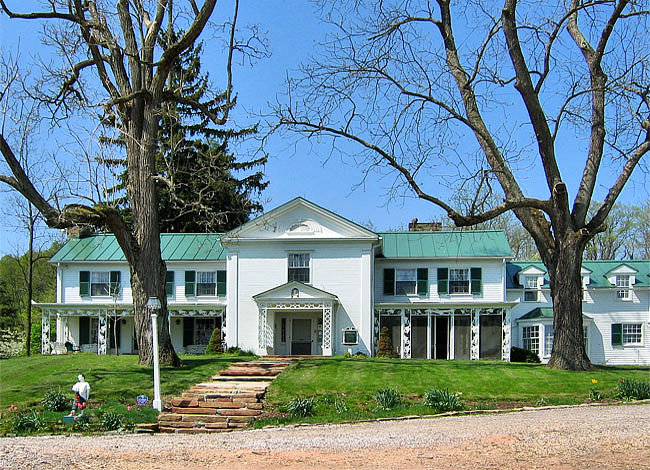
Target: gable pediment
{"x": 299, "y": 219}
{"x": 294, "y": 290}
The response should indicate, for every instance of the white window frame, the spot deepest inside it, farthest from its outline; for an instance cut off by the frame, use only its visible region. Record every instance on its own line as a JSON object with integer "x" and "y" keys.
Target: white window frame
{"x": 528, "y": 339}
{"x": 535, "y": 294}
{"x": 202, "y": 283}
{"x": 632, "y": 330}
{"x": 531, "y": 288}
{"x": 459, "y": 277}
{"x": 300, "y": 257}
{"x": 549, "y": 337}
{"x": 94, "y": 281}
{"x": 408, "y": 284}
{"x": 623, "y": 287}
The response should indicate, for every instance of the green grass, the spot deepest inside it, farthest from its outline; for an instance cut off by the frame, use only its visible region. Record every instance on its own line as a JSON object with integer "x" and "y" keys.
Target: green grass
{"x": 115, "y": 382}
{"x": 344, "y": 389}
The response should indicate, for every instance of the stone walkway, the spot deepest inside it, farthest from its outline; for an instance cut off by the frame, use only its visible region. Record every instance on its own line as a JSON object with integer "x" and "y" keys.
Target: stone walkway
{"x": 230, "y": 401}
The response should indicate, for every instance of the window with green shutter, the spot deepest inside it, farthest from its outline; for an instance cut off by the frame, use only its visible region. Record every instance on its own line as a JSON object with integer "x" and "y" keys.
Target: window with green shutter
{"x": 190, "y": 278}
{"x": 423, "y": 281}
{"x": 617, "y": 334}
{"x": 476, "y": 281}
{"x": 389, "y": 281}
{"x": 169, "y": 283}
{"x": 116, "y": 283}
{"x": 221, "y": 283}
{"x": 84, "y": 283}
{"x": 443, "y": 281}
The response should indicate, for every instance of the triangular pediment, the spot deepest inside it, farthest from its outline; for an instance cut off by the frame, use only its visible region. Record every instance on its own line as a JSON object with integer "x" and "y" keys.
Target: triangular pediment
{"x": 299, "y": 219}
{"x": 294, "y": 290}
{"x": 623, "y": 269}
{"x": 532, "y": 271}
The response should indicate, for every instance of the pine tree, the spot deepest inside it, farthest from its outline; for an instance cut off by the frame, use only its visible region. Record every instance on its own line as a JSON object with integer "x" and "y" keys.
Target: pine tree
{"x": 203, "y": 187}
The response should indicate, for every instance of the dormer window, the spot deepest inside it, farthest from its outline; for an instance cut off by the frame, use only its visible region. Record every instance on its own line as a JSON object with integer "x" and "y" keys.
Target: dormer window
{"x": 623, "y": 286}
{"x": 531, "y": 289}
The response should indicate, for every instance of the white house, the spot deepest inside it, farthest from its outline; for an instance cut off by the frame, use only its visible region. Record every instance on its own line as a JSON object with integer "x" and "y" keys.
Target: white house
{"x": 303, "y": 280}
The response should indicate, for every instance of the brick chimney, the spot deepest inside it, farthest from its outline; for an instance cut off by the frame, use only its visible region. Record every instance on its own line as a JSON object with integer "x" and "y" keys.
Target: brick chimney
{"x": 415, "y": 226}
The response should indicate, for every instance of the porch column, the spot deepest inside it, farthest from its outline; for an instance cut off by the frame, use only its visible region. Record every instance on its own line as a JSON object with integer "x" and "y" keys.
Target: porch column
{"x": 328, "y": 329}
{"x": 406, "y": 334}
{"x": 452, "y": 336}
{"x": 101, "y": 333}
{"x": 45, "y": 332}
{"x": 375, "y": 333}
{"x": 506, "y": 338}
{"x": 475, "y": 351}
{"x": 261, "y": 327}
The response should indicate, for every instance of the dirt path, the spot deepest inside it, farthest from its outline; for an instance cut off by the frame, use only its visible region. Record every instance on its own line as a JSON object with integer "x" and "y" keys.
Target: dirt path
{"x": 611, "y": 437}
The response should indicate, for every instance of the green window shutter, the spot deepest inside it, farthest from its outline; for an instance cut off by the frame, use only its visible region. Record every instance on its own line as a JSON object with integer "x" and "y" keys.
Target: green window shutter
{"x": 84, "y": 330}
{"x": 188, "y": 331}
{"x": 423, "y": 281}
{"x": 443, "y": 281}
{"x": 617, "y": 334}
{"x": 190, "y": 277}
{"x": 221, "y": 283}
{"x": 84, "y": 283}
{"x": 389, "y": 281}
{"x": 475, "y": 276}
{"x": 169, "y": 283}
{"x": 116, "y": 283}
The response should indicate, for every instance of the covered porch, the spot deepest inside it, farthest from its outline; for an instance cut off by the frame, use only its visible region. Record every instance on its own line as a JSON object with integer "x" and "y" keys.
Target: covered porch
{"x": 109, "y": 328}
{"x": 296, "y": 319}
{"x": 436, "y": 332}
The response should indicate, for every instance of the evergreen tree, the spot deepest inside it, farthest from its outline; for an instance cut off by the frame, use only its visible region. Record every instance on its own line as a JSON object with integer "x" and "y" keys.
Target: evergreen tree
{"x": 203, "y": 187}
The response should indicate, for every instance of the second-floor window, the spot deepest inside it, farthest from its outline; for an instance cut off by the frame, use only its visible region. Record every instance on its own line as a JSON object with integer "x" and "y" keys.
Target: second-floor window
{"x": 298, "y": 267}
{"x": 459, "y": 281}
{"x": 205, "y": 283}
{"x": 406, "y": 281}
{"x": 623, "y": 287}
{"x": 99, "y": 283}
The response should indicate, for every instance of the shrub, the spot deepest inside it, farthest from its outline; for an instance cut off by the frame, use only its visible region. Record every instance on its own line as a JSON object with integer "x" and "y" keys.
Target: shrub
{"x": 215, "y": 345}
{"x": 388, "y": 398}
{"x": 28, "y": 422}
{"x": 385, "y": 344}
{"x": 301, "y": 407}
{"x": 111, "y": 421}
{"x": 631, "y": 389}
{"x": 523, "y": 355}
{"x": 55, "y": 400}
{"x": 443, "y": 400}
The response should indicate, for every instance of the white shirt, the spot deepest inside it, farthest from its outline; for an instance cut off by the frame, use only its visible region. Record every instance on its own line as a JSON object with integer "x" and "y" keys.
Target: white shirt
{"x": 83, "y": 389}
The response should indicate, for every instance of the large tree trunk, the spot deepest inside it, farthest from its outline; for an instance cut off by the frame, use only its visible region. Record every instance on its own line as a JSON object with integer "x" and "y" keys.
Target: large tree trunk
{"x": 566, "y": 291}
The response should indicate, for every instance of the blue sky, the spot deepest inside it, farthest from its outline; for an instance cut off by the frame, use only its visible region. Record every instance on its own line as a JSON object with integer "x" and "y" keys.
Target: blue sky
{"x": 295, "y": 168}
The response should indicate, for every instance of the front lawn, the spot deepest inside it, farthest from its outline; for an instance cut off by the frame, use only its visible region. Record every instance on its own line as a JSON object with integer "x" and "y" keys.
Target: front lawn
{"x": 344, "y": 388}
{"x": 115, "y": 382}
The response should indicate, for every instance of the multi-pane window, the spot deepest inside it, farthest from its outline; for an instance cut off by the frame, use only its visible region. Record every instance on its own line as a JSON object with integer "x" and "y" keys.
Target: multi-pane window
{"x": 405, "y": 281}
{"x": 632, "y": 333}
{"x": 100, "y": 283}
{"x": 206, "y": 283}
{"x": 548, "y": 339}
{"x": 298, "y": 267}
{"x": 530, "y": 338}
{"x": 623, "y": 286}
{"x": 531, "y": 289}
{"x": 459, "y": 281}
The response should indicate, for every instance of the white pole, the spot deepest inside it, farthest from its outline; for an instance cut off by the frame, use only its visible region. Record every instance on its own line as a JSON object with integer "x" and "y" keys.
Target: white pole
{"x": 157, "y": 403}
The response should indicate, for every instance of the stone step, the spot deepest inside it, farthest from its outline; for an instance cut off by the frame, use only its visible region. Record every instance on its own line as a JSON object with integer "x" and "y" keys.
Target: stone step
{"x": 233, "y": 384}
{"x": 249, "y": 371}
{"x": 243, "y": 378}
{"x": 264, "y": 364}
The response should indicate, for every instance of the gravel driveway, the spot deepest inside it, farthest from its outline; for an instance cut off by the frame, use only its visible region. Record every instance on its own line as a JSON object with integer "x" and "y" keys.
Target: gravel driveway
{"x": 594, "y": 437}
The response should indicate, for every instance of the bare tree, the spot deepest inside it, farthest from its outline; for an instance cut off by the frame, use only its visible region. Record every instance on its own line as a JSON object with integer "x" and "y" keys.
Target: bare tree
{"x": 118, "y": 48}
{"x": 396, "y": 90}
{"x": 617, "y": 241}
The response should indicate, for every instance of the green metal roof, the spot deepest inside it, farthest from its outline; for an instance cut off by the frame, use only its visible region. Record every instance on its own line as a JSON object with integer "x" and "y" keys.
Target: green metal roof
{"x": 597, "y": 276}
{"x": 539, "y": 312}
{"x": 446, "y": 244}
{"x": 173, "y": 246}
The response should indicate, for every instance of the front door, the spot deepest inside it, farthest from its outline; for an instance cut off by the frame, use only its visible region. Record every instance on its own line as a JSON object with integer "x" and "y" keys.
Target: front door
{"x": 301, "y": 336}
